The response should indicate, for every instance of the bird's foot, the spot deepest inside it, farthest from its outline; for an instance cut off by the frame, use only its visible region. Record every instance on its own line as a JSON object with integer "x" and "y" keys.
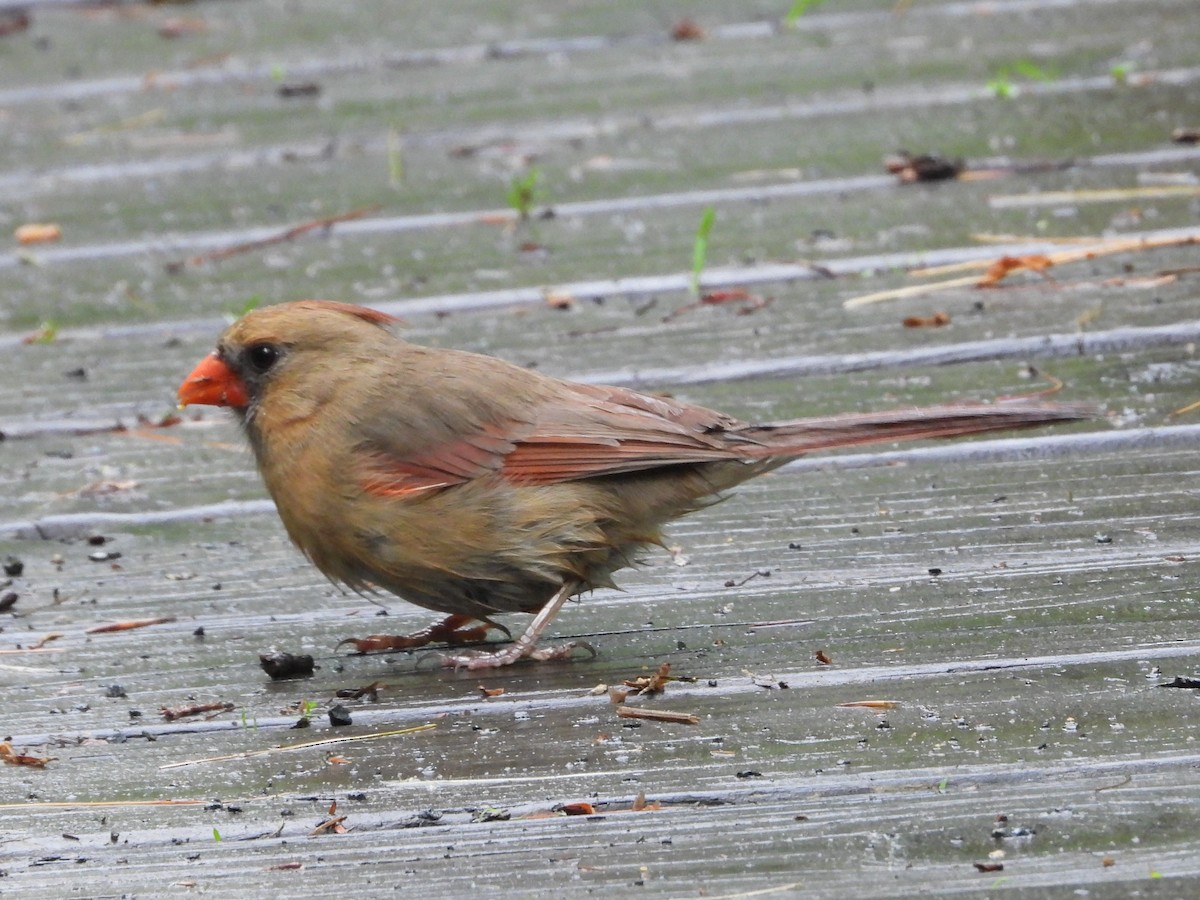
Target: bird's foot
{"x": 453, "y": 630}
{"x": 514, "y": 652}
{"x": 526, "y": 644}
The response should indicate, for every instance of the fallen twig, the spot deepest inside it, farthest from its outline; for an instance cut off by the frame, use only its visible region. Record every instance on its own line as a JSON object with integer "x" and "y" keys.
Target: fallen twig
{"x": 996, "y": 269}
{"x": 282, "y": 238}
{"x": 129, "y": 625}
{"x": 1103, "y": 195}
{"x": 305, "y": 746}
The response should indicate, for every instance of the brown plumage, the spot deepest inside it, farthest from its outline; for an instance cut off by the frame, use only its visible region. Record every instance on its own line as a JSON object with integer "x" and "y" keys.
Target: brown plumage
{"x": 473, "y": 487}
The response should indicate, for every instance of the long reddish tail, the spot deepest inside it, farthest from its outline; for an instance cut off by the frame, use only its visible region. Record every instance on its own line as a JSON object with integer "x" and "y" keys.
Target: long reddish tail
{"x": 952, "y": 420}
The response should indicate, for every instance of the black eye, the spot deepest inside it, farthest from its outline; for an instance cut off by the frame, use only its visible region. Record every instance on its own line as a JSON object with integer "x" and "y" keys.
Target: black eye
{"x": 262, "y": 356}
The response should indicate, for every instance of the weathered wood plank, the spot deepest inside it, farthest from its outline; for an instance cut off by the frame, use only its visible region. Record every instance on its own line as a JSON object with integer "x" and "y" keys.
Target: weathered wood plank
{"x": 1025, "y": 673}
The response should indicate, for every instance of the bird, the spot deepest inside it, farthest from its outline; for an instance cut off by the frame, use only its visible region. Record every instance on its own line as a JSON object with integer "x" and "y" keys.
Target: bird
{"x": 475, "y": 487}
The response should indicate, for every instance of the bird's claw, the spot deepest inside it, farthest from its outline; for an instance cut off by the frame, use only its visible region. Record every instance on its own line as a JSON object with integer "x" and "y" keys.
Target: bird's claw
{"x": 513, "y": 653}
{"x": 451, "y": 631}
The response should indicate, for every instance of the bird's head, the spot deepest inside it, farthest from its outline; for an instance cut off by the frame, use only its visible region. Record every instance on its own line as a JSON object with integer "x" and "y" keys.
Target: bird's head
{"x": 260, "y": 347}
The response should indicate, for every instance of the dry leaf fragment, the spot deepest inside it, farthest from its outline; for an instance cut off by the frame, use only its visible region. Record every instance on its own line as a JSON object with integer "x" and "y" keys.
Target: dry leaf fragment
{"x": 651, "y": 684}
{"x": 180, "y": 26}
{"x": 490, "y": 692}
{"x": 716, "y": 298}
{"x": 104, "y": 487}
{"x": 923, "y": 167}
{"x": 37, "y": 233}
{"x": 503, "y": 218}
{"x": 335, "y": 825}
{"x": 370, "y": 691}
{"x": 657, "y": 715}
{"x": 937, "y": 320}
{"x": 557, "y": 299}
{"x": 641, "y": 805}
{"x": 999, "y": 269}
{"x": 14, "y": 21}
{"x": 688, "y": 30}
{"x": 171, "y": 713}
{"x": 46, "y": 334}
{"x": 747, "y": 302}
{"x": 47, "y": 638}
{"x": 8, "y": 755}
{"x": 750, "y": 303}
{"x": 581, "y": 808}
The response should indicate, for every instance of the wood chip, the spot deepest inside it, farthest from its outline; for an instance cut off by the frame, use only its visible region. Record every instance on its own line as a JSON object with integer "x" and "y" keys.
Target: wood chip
{"x": 37, "y": 233}
{"x": 657, "y": 715}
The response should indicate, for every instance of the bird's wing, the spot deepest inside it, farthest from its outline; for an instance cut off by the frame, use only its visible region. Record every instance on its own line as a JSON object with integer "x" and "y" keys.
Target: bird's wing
{"x": 582, "y": 432}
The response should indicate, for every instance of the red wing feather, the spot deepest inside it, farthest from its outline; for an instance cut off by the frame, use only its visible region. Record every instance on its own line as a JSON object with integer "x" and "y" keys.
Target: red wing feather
{"x": 590, "y": 435}
{"x": 438, "y": 467}
{"x": 547, "y": 461}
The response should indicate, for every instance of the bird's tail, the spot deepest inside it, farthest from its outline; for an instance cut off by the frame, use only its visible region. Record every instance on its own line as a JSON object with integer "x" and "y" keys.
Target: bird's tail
{"x": 801, "y": 436}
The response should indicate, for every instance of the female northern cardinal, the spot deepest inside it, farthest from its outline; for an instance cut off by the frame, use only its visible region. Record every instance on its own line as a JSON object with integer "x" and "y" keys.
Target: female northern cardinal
{"x": 471, "y": 486}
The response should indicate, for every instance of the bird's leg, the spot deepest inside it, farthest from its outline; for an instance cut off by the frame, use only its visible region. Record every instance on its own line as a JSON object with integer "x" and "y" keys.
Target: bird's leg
{"x": 526, "y": 644}
{"x": 451, "y": 630}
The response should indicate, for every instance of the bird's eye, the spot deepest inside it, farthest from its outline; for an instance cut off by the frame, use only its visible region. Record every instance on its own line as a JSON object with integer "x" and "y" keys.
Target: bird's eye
{"x": 262, "y": 356}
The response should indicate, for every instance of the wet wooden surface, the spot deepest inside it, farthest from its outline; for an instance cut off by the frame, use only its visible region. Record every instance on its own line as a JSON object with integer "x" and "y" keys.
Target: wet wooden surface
{"x": 1017, "y": 602}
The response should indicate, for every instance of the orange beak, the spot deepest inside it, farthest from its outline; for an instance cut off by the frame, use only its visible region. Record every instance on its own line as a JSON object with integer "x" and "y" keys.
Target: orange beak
{"x": 212, "y": 383}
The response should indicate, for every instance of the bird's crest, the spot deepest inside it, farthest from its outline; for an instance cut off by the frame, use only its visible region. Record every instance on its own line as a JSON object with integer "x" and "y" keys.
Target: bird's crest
{"x": 374, "y": 316}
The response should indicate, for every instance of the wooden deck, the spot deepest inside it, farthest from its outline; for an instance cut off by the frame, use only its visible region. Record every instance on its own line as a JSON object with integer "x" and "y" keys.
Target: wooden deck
{"x": 1016, "y": 604}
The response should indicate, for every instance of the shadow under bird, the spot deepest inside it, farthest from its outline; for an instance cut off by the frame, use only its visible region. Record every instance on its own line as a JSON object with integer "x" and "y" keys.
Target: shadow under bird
{"x": 474, "y": 487}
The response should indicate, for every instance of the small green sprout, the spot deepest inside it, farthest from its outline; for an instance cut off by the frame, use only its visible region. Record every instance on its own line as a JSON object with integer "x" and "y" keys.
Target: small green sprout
{"x": 252, "y": 303}
{"x": 522, "y": 192}
{"x": 1002, "y": 84}
{"x": 47, "y": 333}
{"x": 1121, "y": 71}
{"x": 799, "y": 8}
{"x": 700, "y": 247}
{"x": 395, "y": 157}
